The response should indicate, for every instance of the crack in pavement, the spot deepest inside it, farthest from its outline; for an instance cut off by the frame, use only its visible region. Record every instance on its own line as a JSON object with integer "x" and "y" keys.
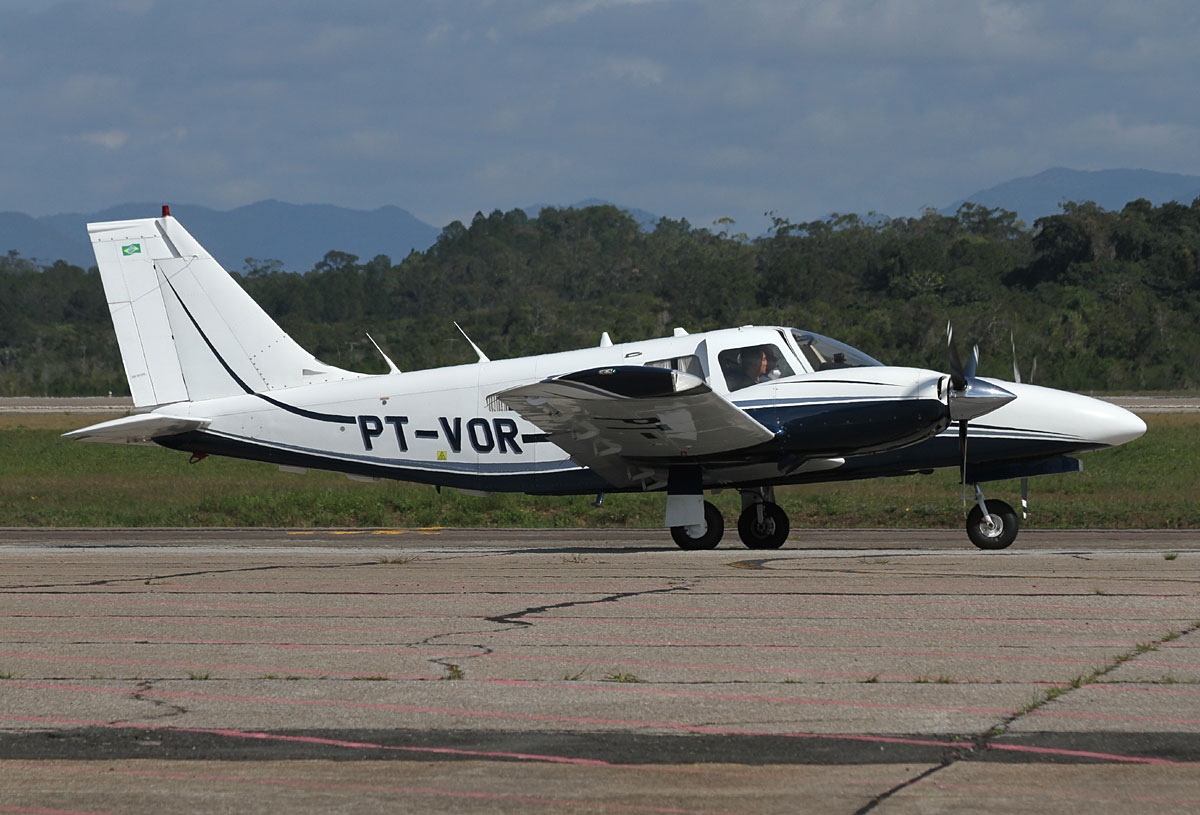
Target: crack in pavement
{"x": 160, "y": 708}
{"x": 916, "y": 779}
{"x": 514, "y": 618}
{"x": 982, "y": 743}
{"x": 154, "y": 578}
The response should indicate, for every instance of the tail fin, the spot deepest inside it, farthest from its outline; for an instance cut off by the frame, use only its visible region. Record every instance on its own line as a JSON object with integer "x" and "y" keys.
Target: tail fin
{"x": 186, "y": 329}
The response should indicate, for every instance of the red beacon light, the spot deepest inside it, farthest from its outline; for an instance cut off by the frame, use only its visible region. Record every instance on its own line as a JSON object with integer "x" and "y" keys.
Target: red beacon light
{"x": 166, "y": 211}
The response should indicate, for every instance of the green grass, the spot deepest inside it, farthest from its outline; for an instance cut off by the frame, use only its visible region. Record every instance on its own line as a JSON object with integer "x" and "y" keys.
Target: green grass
{"x": 46, "y": 480}
{"x": 622, "y": 677}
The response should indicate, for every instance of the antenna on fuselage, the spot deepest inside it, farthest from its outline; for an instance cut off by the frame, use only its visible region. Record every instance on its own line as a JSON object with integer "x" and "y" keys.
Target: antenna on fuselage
{"x": 482, "y": 356}
{"x": 391, "y": 365}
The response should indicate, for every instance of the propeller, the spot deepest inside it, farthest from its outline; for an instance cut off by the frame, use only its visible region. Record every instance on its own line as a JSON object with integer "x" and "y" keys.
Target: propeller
{"x": 969, "y": 397}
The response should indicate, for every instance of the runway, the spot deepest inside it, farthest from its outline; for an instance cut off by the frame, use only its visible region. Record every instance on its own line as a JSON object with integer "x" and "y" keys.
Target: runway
{"x": 597, "y": 670}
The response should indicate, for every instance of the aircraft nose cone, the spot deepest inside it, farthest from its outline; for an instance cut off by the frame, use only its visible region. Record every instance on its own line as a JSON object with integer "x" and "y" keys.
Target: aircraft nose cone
{"x": 1117, "y": 425}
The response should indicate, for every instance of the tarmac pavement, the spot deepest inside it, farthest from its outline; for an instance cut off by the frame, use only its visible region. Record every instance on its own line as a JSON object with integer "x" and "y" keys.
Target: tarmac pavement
{"x": 597, "y": 670}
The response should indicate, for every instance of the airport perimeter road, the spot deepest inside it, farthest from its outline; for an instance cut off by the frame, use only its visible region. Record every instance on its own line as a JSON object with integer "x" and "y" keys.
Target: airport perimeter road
{"x": 597, "y": 671}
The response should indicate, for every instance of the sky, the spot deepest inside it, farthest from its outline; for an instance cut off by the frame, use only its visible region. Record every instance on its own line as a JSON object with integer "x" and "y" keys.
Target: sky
{"x": 696, "y": 109}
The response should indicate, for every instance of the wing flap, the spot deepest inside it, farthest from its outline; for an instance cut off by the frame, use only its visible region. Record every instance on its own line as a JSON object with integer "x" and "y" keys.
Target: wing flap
{"x": 617, "y": 420}
{"x": 140, "y": 429}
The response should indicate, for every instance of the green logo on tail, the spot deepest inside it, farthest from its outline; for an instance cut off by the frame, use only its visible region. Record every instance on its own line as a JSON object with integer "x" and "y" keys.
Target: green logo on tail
{"x": 131, "y": 249}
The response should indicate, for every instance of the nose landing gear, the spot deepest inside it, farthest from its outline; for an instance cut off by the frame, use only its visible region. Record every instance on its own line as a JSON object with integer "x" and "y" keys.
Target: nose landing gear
{"x": 991, "y": 524}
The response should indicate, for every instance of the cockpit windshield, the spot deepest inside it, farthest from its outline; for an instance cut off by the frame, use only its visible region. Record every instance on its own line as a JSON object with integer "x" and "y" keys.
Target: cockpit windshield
{"x": 824, "y": 354}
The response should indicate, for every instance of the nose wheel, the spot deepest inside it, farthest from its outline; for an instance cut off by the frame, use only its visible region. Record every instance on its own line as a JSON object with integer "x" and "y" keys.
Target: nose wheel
{"x": 995, "y": 529}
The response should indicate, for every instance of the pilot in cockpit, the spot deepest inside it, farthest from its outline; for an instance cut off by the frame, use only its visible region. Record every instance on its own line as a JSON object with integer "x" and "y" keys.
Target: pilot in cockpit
{"x": 754, "y": 366}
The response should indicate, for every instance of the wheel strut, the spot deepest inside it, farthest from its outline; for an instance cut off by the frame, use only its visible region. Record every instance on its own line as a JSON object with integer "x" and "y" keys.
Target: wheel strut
{"x": 982, "y": 502}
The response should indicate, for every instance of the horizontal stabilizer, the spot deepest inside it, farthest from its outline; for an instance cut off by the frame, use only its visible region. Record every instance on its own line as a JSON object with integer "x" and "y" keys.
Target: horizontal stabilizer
{"x": 141, "y": 429}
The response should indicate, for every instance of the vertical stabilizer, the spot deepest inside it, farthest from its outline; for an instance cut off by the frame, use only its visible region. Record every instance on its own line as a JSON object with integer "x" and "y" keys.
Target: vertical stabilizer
{"x": 186, "y": 329}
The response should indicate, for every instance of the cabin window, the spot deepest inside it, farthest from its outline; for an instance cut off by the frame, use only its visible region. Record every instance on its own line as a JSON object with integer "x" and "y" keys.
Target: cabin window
{"x": 752, "y": 364}
{"x": 689, "y": 364}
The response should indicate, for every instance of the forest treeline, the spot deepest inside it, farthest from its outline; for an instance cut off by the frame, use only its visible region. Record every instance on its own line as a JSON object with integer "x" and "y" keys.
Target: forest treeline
{"x": 1104, "y": 300}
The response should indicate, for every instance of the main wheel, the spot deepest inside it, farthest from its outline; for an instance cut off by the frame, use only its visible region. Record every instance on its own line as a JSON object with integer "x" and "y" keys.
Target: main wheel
{"x": 1001, "y": 532}
{"x": 711, "y": 536}
{"x": 768, "y": 533}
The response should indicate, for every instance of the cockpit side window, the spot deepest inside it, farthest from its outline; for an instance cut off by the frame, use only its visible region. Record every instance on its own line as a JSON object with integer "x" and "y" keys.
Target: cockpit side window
{"x": 752, "y": 364}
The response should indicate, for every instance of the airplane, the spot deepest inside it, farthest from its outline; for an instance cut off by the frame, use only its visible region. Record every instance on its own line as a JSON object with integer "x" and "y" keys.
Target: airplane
{"x": 750, "y": 408}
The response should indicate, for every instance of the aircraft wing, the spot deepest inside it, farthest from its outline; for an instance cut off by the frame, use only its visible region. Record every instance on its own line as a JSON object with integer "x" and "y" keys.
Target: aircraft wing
{"x": 616, "y": 420}
{"x": 140, "y": 429}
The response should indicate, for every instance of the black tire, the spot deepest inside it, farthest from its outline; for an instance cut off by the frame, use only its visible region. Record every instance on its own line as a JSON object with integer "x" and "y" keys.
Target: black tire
{"x": 1002, "y": 531}
{"x": 770, "y": 533}
{"x": 711, "y": 537}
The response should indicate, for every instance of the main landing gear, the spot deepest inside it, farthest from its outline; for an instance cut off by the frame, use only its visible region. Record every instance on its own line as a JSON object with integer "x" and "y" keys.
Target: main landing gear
{"x": 762, "y": 525}
{"x": 707, "y": 537}
{"x": 991, "y": 524}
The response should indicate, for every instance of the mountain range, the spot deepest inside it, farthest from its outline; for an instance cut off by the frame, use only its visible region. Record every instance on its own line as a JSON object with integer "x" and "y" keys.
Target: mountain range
{"x": 1036, "y": 196}
{"x": 299, "y": 235}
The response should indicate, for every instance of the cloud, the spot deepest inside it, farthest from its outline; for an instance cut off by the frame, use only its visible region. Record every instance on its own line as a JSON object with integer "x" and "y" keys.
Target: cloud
{"x": 108, "y": 139}
{"x": 571, "y": 11}
{"x": 691, "y": 108}
{"x": 538, "y": 169}
{"x": 637, "y": 70}
{"x": 371, "y": 143}
{"x": 85, "y": 91}
{"x": 1109, "y": 133}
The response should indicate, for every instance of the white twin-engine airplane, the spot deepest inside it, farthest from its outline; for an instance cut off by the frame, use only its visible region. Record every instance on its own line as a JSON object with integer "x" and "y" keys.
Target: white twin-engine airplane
{"x": 745, "y": 408}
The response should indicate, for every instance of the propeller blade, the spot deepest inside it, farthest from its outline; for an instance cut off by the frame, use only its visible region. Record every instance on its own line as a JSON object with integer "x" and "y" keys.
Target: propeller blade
{"x": 970, "y": 397}
{"x": 958, "y": 377}
{"x": 1016, "y": 370}
{"x": 962, "y": 444}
